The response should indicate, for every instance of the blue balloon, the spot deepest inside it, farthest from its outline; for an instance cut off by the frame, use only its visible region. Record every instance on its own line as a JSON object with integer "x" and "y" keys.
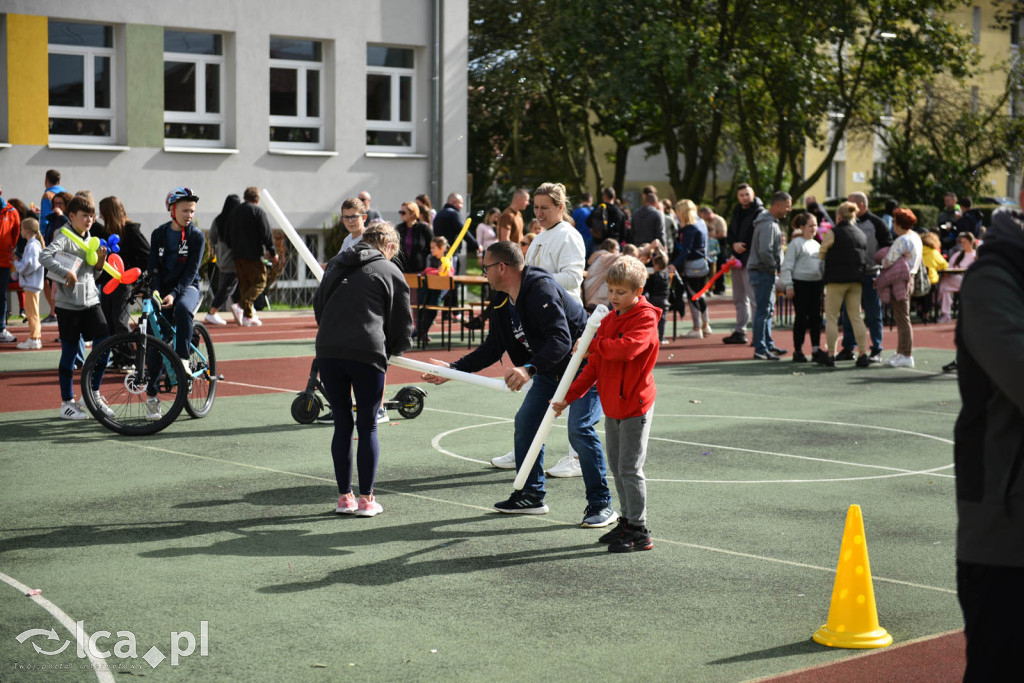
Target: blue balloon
{"x": 111, "y": 244}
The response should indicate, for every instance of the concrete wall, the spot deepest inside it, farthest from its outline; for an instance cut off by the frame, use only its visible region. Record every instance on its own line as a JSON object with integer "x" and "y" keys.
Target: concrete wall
{"x": 308, "y": 188}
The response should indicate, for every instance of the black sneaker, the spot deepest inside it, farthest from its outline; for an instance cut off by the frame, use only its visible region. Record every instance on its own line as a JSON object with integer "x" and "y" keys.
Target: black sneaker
{"x": 735, "y": 338}
{"x": 819, "y": 357}
{"x": 326, "y": 418}
{"x": 767, "y": 355}
{"x": 875, "y": 357}
{"x": 799, "y": 357}
{"x": 845, "y": 354}
{"x": 949, "y": 367}
{"x": 635, "y": 538}
{"x": 777, "y": 351}
{"x": 830, "y": 362}
{"x": 520, "y": 503}
{"x": 863, "y": 361}
{"x": 615, "y": 534}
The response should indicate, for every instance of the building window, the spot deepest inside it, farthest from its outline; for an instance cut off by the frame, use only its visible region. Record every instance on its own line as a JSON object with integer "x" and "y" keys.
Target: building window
{"x": 976, "y": 25}
{"x": 835, "y": 180}
{"x": 390, "y": 94}
{"x": 1016, "y": 27}
{"x": 81, "y": 82}
{"x": 193, "y": 88}
{"x": 296, "y": 94}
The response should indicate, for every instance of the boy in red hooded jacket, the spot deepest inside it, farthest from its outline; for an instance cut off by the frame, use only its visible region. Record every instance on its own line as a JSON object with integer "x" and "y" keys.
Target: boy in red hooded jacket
{"x": 620, "y": 360}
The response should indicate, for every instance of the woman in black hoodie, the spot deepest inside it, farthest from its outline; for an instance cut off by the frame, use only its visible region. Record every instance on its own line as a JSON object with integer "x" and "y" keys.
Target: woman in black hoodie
{"x": 362, "y": 309}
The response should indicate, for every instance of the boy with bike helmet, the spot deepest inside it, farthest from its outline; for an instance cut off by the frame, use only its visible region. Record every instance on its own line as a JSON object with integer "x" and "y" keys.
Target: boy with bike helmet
{"x": 176, "y": 250}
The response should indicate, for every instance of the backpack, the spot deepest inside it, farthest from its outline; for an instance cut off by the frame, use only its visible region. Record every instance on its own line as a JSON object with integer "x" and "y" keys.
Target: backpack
{"x": 598, "y": 221}
{"x": 922, "y": 285}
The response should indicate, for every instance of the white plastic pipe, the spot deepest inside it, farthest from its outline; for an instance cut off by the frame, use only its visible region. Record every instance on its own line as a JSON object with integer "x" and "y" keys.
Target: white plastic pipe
{"x": 448, "y": 373}
{"x": 593, "y": 323}
{"x": 293, "y": 235}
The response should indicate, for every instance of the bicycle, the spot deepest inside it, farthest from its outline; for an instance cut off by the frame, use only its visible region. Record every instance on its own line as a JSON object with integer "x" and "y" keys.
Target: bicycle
{"x": 123, "y": 370}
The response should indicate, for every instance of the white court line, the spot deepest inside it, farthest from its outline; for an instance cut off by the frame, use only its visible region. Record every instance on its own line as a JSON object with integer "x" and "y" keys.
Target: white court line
{"x": 748, "y": 394}
{"x": 534, "y": 518}
{"x": 98, "y": 664}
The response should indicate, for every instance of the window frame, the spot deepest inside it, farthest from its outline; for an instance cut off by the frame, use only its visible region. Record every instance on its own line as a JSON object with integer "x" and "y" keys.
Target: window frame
{"x": 302, "y": 119}
{"x": 89, "y": 110}
{"x": 200, "y": 116}
{"x": 395, "y": 124}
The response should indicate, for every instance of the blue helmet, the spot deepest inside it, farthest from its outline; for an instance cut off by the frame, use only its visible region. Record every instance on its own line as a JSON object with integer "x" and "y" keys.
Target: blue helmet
{"x": 179, "y": 194}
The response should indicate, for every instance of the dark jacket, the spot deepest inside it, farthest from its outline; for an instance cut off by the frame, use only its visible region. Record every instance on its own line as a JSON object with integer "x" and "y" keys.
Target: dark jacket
{"x": 989, "y": 450}
{"x": 689, "y": 246}
{"x": 448, "y": 224}
{"x": 134, "y": 246}
{"x": 247, "y": 232}
{"x": 607, "y": 221}
{"x": 877, "y": 235}
{"x": 656, "y": 289}
{"x": 174, "y": 258}
{"x": 362, "y": 308}
{"x": 414, "y": 260}
{"x": 741, "y": 227}
{"x": 552, "y": 320}
{"x": 847, "y": 259}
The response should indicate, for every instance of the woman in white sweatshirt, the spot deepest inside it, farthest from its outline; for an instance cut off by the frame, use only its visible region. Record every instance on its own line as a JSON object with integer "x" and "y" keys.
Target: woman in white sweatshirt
{"x": 559, "y": 249}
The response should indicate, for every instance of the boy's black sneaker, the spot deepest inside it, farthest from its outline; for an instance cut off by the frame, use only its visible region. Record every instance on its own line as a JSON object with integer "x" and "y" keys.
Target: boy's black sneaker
{"x": 829, "y": 362}
{"x": 520, "y": 503}
{"x": 799, "y": 357}
{"x": 735, "y": 338}
{"x": 635, "y": 538}
{"x": 615, "y": 534}
{"x": 820, "y": 357}
{"x": 864, "y": 361}
{"x": 845, "y": 354}
{"x": 949, "y": 367}
{"x": 777, "y": 351}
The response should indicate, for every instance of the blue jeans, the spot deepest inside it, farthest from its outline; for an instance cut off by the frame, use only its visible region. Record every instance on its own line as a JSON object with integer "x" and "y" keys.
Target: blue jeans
{"x": 872, "y": 306}
{"x": 584, "y": 413}
{"x": 764, "y": 308}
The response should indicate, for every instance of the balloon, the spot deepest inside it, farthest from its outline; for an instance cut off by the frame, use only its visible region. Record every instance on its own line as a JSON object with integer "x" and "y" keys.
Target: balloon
{"x": 90, "y": 248}
{"x": 446, "y": 260}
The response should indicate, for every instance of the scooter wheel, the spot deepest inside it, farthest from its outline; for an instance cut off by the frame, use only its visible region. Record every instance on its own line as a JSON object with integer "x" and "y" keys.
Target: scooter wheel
{"x": 410, "y": 402}
{"x": 306, "y": 408}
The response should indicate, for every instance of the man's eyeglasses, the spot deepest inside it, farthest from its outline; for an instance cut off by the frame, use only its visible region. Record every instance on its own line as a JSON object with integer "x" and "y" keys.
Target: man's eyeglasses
{"x": 352, "y": 217}
{"x": 490, "y": 265}
{"x": 402, "y": 212}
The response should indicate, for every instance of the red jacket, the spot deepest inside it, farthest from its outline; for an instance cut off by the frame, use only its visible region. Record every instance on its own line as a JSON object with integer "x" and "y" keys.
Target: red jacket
{"x": 622, "y": 356}
{"x": 10, "y": 230}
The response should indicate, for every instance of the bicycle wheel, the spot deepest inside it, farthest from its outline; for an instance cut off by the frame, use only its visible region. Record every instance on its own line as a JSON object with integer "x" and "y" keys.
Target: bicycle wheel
{"x": 115, "y": 394}
{"x": 202, "y": 365}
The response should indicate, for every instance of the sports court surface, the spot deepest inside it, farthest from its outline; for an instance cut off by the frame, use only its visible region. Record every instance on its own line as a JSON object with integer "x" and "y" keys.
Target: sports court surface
{"x": 229, "y": 521}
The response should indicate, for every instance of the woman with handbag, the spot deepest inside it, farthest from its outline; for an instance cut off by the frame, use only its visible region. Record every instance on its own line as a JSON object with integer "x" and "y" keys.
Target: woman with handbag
{"x": 691, "y": 262}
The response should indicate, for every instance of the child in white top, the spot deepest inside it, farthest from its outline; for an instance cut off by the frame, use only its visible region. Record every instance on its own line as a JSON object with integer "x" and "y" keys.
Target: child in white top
{"x": 30, "y": 275}
{"x": 801, "y": 276}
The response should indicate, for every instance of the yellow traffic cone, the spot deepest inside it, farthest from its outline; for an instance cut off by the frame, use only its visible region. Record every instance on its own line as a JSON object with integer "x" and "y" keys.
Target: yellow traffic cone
{"x": 853, "y": 616}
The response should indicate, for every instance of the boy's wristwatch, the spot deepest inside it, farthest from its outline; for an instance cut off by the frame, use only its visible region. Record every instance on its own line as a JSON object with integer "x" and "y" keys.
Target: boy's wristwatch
{"x": 530, "y": 370}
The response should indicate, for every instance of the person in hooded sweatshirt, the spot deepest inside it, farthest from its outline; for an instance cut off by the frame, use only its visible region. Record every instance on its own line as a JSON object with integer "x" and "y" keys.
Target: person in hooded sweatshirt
{"x": 763, "y": 266}
{"x": 989, "y": 450}
{"x": 364, "y": 317}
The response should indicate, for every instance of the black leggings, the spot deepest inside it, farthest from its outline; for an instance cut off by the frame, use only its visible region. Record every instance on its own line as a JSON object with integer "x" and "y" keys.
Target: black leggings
{"x": 694, "y": 285}
{"x": 807, "y": 312}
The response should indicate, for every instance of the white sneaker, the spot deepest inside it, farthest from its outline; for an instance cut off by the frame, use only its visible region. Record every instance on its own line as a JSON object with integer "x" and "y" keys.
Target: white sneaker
{"x": 251, "y": 322}
{"x": 236, "y": 311}
{"x": 694, "y": 334}
{"x": 69, "y": 410}
{"x": 382, "y": 415}
{"x": 569, "y": 466}
{"x": 256, "y": 320}
{"x": 102, "y": 403}
{"x": 31, "y": 344}
{"x": 902, "y": 362}
{"x": 5, "y": 335}
{"x": 246, "y": 322}
{"x": 706, "y": 330}
{"x": 505, "y": 462}
{"x": 153, "y": 408}
{"x": 214, "y": 319}
{"x": 891, "y": 360}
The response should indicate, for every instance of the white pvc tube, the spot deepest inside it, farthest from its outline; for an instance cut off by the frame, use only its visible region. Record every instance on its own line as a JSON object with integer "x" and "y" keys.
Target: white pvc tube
{"x": 293, "y": 236}
{"x": 593, "y": 323}
{"x": 448, "y": 373}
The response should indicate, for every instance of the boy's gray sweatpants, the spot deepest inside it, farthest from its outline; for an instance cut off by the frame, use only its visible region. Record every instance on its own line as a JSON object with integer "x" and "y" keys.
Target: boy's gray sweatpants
{"x": 625, "y": 445}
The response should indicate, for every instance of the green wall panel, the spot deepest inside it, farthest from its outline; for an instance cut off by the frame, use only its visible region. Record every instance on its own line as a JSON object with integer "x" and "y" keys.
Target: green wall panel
{"x": 144, "y": 76}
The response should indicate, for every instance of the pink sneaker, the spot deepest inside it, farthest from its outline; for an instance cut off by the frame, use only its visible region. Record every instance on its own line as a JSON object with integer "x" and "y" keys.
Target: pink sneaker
{"x": 368, "y": 507}
{"x": 346, "y": 504}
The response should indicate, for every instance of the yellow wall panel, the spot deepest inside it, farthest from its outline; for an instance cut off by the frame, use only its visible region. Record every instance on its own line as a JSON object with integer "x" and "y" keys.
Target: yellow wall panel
{"x": 28, "y": 92}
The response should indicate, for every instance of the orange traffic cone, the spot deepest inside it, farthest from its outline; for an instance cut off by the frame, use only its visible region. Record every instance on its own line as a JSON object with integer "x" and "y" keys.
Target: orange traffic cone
{"x": 853, "y": 616}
